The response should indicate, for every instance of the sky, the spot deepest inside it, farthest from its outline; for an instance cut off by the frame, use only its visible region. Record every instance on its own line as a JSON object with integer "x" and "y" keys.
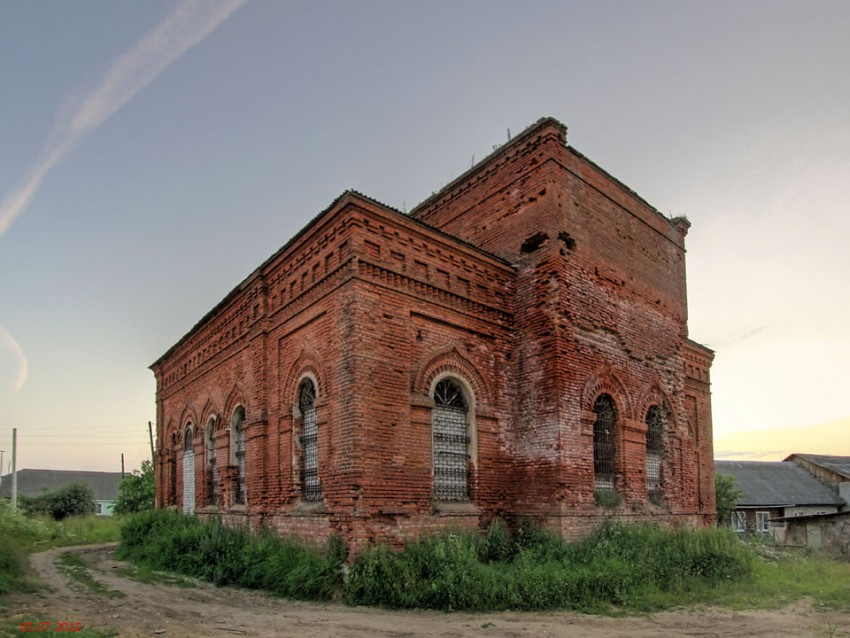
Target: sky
{"x": 155, "y": 153}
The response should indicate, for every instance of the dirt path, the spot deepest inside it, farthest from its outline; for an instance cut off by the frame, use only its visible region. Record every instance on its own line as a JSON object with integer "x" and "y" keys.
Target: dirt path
{"x": 206, "y": 611}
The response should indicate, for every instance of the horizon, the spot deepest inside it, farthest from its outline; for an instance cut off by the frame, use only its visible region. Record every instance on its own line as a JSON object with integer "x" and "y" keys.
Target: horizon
{"x": 157, "y": 154}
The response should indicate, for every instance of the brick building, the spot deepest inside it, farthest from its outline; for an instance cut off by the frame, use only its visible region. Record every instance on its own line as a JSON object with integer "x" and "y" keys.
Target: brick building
{"x": 517, "y": 345}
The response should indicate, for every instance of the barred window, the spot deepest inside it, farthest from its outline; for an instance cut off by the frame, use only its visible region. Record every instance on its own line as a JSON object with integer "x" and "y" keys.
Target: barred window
{"x": 212, "y": 497}
{"x": 604, "y": 449}
{"x": 451, "y": 443}
{"x": 188, "y": 471}
{"x": 654, "y": 447}
{"x": 238, "y": 429}
{"x": 311, "y": 486}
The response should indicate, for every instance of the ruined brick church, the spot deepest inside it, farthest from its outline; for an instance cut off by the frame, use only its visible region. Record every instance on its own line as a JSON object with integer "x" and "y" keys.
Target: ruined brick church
{"x": 515, "y": 346}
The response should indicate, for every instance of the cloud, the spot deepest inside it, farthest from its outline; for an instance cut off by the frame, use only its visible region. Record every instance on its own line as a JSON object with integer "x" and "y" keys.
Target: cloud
{"x": 184, "y": 27}
{"x": 8, "y": 341}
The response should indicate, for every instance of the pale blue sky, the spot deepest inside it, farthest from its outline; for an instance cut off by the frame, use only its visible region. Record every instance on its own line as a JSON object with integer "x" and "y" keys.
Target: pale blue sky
{"x": 165, "y": 149}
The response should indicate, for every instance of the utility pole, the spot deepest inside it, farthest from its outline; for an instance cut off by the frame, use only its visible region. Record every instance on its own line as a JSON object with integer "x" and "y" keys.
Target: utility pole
{"x": 150, "y": 434}
{"x": 2, "y": 452}
{"x": 14, "y": 468}
{"x": 122, "y": 465}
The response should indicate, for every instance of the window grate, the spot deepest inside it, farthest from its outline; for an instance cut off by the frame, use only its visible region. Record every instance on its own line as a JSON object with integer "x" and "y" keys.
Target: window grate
{"x": 603, "y": 442}
{"x": 311, "y": 486}
{"x": 654, "y": 447}
{"x": 239, "y": 452}
{"x": 451, "y": 443}
{"x": 212, "y": 498}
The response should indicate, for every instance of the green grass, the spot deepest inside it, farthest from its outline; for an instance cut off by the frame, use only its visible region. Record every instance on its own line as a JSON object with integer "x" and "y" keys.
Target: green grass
{"x": 20, "y": 535}
{"x": 164, "y": 540}
{"x": 794, "y": 575}
{"x": 619, "y": 567}
{"x": 72, "y": 565}
{"x": 148, "y": 576}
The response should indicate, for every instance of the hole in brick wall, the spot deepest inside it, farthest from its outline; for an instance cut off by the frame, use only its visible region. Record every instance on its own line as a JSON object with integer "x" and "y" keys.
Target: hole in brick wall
{"x": 569, "y": 242}
{"x": 534, "y": 242}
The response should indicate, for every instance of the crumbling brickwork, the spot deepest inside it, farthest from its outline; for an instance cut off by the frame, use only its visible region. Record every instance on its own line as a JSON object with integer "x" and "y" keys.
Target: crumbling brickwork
{"x": 502, "y": 351}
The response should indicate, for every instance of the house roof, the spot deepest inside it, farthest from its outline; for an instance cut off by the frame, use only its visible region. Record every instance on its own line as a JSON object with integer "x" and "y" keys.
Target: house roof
{"x": 777, "y": 484}
{"x": 838, "y": 464}
{"x": 104, "y": 485}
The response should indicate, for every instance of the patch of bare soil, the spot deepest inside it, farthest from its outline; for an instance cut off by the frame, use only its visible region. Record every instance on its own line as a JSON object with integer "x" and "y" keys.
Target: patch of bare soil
{"x": 204, "y": 610}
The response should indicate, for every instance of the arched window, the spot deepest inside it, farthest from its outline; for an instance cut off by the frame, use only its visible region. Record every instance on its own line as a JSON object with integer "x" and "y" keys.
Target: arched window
{"x": 604, "y": 448}
{"x": 188, "y": 471}
{"x": 451, "y": 442}
{"x": 212, "y": 476}
{"x": 654, "y": 447}
{"x": 311, "y": 486}
{"x": 238, "y": 429}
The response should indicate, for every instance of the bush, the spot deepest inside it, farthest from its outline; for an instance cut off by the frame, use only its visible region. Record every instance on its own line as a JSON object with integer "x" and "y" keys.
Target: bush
{"x": 72, "y": 500}
{"x": 727, "y": 495}
{"x": 136, "y": 491}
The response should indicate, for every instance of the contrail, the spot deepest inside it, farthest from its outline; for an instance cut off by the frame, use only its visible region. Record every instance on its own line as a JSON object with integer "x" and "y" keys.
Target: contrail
{"x": 185, "y": 27}
{"x": 8, "y": 341}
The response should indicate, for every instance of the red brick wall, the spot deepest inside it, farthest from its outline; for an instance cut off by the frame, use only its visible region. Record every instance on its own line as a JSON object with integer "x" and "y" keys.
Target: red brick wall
{"x": 583, "y": 293}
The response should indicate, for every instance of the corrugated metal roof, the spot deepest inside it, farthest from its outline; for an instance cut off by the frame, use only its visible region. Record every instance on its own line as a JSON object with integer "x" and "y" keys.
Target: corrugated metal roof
{"x": 838, "y": 464}
{"x": 104, "y": 485}
{"x": 776, "y": 483}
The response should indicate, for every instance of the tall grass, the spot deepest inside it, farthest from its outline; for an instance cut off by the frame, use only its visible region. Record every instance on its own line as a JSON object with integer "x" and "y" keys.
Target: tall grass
{"x": 20, "y": 534}
{"x": 166, "y": 540}
{"x": 628, "y": 566}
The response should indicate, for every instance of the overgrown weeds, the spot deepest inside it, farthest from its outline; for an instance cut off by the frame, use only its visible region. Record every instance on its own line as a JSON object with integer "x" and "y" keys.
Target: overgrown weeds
{"x": 163, "y": 540}
{"x": 618, "y": 568}
{"x": 625, "y": 566}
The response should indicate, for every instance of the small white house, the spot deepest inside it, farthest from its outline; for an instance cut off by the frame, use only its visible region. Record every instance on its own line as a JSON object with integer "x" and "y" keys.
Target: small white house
{"x": 32, "y": 483}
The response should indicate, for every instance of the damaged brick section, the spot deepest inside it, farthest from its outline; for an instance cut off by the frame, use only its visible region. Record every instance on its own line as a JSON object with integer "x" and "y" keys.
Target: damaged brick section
{"x": 515, "y": 347}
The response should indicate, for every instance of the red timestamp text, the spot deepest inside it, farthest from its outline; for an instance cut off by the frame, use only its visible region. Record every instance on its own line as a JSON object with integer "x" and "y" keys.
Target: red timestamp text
{"x": 43, "y": 627}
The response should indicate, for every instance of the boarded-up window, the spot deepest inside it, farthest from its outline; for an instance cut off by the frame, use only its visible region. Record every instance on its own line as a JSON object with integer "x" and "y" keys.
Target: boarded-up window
{"x": 188, "y": 472}
{"x": 212, "y": 497}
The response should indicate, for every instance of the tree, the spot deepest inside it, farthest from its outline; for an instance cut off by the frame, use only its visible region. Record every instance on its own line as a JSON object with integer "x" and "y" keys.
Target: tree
{"x": 726, "y": 495}
{"x": 136, "y": 491}
{"x": 75, "y": 499}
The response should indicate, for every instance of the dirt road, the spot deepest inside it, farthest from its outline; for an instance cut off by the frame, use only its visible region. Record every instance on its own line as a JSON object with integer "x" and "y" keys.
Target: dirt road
{"x": 206, "y": 611}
